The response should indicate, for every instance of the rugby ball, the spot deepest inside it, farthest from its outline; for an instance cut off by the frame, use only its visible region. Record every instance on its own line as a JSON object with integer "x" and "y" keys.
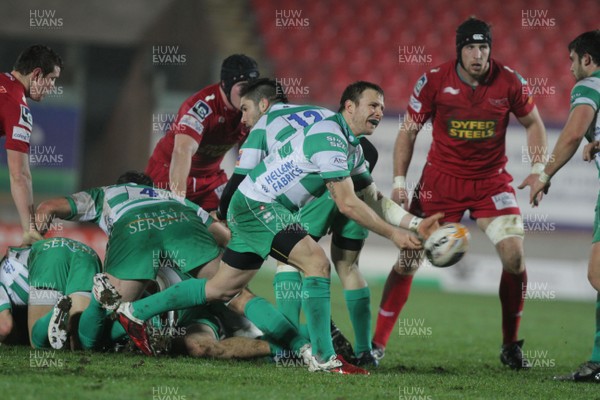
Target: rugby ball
{"x": 447, "y": 245}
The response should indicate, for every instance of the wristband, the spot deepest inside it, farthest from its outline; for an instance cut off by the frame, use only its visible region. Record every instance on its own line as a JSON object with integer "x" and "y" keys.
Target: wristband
{"x": 399, "y": 182}
{"x": 414, "y": 224}
{"x": 544, "y": 177}
{"x": 537, "y": 168}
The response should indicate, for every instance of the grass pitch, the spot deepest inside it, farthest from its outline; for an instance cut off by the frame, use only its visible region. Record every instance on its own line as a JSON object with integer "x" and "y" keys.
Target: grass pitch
{"x": 445, "y": 346}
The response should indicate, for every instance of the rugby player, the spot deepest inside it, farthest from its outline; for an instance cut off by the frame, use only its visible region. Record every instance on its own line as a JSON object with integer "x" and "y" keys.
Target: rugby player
{"x": 469, "y": 99}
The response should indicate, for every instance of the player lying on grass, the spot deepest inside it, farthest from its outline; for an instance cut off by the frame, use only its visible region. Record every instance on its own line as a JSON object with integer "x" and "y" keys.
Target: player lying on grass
{"x": 274, "y": 124}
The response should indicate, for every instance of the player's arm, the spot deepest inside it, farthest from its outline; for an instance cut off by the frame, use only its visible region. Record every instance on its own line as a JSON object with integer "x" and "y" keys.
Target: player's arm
{"x": 567, "y": 144}
{"x": 403, "y": 151}
{"x": 58, "y": 207}
{"x": 342, "y": 192}
{"x": 181, "y": 162}
{"x": 230, "y": 188}
{"x": 395, "y": 215}
{"x": 22, "y": 193}
{"x": 6, "y": 323}
{"x": 536, "y": 136}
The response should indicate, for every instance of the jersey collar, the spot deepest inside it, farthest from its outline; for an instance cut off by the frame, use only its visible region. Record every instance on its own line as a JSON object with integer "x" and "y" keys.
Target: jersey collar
{"x": 339, "y": 118}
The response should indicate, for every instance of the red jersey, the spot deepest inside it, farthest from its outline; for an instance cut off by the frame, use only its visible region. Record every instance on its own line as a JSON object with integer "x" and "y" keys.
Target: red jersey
{"x": 215, "y": 127}
{"x": 469, "y": 125}
{"x": 16, "y": 121}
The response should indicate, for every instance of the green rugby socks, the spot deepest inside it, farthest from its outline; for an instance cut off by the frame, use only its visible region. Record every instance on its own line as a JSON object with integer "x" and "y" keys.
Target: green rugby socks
{"x": 358, "y": 302}
{"x": 317, "y": 307}
{"x": 288, "y": 295}
{"x": 273, "y": 323}
{"x": 596, "y": 350}
{"x": 184, "y": 294}
{"x": 91, "y": 324}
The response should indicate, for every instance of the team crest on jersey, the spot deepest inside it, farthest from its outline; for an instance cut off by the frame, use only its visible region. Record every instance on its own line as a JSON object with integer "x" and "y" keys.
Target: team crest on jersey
{"x": 414, "y": 103}
{"x": 419, "y": 85}
{"x": 471, "y": 129}
{"x": 503, "y": 102}
{"x": 201, "y": 109}
{"x": 451, "y": 90}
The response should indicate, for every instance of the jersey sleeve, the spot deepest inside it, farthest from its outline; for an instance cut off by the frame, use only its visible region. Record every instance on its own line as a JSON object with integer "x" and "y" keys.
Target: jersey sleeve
{"x": 194, "y": 120}
{"x": 420, "y": 103}
{"x": 17, "y": 122}
{"x": 360, "y": 174}
{"x": 586, "y": 91}
{"x": 329, "y": 153}
{"x": 252, "y": 151}
{"x": 521, "y": 101}
{"x": 86, "y": 205}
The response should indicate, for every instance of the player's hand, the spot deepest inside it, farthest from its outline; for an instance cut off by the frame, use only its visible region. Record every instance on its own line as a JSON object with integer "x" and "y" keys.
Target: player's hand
{"x": 400, "y": 196}
{"x": 429, "y": 225}
{"x": 590, "y": 150}
{"x": 404, "y": 240}
{"x": 537, "y": 188}
{"x": 30, "y": 238}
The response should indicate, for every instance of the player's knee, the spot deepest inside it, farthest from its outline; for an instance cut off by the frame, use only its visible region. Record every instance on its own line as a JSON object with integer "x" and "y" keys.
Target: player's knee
{"x": 505, "y": 227}
{"x": 320, "y": 267}
{"x": 408, "y": 262}
{"x": 594, "y": 279}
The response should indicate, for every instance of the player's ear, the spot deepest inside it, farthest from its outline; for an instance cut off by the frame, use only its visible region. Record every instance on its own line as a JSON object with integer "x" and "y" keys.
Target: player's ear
{"x": 263, "y": 105}
{"x": 349, "y": 106}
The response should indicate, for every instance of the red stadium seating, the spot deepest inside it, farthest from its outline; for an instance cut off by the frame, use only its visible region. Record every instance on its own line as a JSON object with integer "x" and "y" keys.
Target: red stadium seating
{"x": 342, "y": 42}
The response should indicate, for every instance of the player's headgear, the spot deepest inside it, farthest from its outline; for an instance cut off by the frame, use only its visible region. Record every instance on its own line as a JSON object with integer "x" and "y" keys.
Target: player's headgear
{"x": 237, "y": 68}
{"x": 471, "y": 31}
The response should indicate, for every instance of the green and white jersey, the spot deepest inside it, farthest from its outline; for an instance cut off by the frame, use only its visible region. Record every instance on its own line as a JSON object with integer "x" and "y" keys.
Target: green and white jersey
{"x": 587, "y": 91}
{"x": 274, "y": 129}
{"x": 14, "y": 278}
{"x": 107, "y": 204}
{"x": 295, "y": 174}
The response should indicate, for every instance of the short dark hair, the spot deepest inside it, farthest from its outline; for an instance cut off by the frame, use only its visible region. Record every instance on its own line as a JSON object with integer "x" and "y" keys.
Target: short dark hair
{"x": 135, "y": 177}
{"x": 264, "y": 88}
{"x": 37, "y": 56}
{"x": 355, "y": 90}
{"x": 587, "y": 42}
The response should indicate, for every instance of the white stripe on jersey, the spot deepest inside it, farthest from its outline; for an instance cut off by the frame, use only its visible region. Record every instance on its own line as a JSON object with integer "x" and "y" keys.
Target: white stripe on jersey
{"x": 86, "y": 207}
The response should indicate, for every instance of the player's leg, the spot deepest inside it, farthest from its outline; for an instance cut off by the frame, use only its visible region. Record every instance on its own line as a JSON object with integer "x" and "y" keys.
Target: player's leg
{"x": 435, "y": 192}
{"x": 394, "y": 297}
{"x": 506, "y": 233}
{"x": 287, "y": 285}
{"x": 39, "y": 314}
{"x": 346, "y": 243}
{"x": 589, "y": 371}
{"x": 594, "y": 278}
